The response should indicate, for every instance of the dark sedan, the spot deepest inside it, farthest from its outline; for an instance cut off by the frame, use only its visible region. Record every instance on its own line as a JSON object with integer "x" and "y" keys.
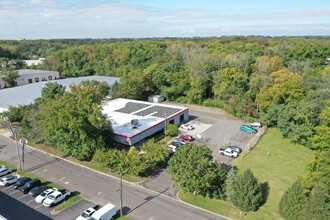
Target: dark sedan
{"x": 37, "y": 190}
{"x": 21, "y": 182}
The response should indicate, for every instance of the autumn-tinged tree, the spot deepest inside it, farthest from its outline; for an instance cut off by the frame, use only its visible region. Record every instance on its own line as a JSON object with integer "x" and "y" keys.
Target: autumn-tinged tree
{"x": 287, "y": 87}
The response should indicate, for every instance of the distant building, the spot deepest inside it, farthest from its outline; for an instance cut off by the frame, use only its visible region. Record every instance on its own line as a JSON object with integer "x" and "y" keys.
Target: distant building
{"x": 24, "y": 95}
{"x": 32, "y": 76}
{"x": 34, "y": 62}
{"x": 133, "y": 121}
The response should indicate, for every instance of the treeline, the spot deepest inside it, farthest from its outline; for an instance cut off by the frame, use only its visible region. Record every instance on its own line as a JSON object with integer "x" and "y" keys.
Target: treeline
{"x": 283, "y": 81}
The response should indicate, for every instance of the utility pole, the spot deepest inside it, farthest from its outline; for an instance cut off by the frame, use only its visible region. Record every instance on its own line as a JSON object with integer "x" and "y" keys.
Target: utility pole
{"x": 23, "y": 141}
{"x": 17, "y": 150}
{"x": 121, "y": 193}
{"x": 165, "y": 125}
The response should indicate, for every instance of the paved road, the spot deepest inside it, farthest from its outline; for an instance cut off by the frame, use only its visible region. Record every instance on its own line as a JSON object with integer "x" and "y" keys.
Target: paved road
{"x": 139, "y": 203}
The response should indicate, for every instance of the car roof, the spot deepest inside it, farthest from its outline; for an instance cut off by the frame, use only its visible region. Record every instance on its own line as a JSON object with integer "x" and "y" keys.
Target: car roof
{"x": 55, "y": 193}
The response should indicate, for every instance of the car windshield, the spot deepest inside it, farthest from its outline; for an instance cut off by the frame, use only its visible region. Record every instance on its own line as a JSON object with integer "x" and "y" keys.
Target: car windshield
{"x": 85, "y": 215}
{"x": 51, "y": 197}
{"x": 43, "y": 194}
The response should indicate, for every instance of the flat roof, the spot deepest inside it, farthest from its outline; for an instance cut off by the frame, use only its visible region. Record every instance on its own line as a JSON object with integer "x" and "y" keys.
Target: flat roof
{"x": 120, "y": 112}
{"x": 32, "y": 72}
{"x": 26, "y": 94}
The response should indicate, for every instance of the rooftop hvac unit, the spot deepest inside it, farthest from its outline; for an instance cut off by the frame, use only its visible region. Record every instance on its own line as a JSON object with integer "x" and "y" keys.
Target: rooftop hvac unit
{"x": 135, "y": 123}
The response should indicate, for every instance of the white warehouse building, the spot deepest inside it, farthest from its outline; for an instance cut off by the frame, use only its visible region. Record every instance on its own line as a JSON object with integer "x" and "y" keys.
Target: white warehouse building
{"x": 133, "y": 121}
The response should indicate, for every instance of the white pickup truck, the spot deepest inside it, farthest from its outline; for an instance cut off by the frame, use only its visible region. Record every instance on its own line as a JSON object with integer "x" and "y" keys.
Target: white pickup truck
{"x": 228, "y": 152}
{"x": 56, "y": 197}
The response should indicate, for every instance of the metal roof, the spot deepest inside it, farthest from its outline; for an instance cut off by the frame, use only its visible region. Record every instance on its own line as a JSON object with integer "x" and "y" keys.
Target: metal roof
{"x": 32, "y": 72}
{"x": 23, "y": 95}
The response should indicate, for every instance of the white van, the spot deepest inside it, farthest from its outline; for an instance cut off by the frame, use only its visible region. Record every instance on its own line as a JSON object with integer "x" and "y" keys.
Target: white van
{"x": 105, "y": 213}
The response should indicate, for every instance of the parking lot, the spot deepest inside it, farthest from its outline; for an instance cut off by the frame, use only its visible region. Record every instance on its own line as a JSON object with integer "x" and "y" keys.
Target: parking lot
{"x": 16, "y": 205}
{"x": 216, "y": 129}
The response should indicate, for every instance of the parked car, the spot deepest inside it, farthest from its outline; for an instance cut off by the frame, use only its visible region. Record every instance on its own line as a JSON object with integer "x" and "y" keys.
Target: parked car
{"x": 29, "y": 185}
{"x": 87, "y": 214}
{"x": 187, "y": 137}
{"x": 187, "y": 127}
{"x": 255, "y": 124}
{"x": 228, "y": 152}
{"x": 174, "y": 146}
{"x": 21, "y": 182}
{"x": 8, "y": 180}
{"x": 235, "y": 148}
{"x": 248, "y": 129}
{"x": 37, "y": 190}
{"x": 4, "y": 170}
{"x": 42, "y": 196}
{"x": 56, "y": 197}
{"x": 181, "y": 141}
{"x": 105, "y": 213}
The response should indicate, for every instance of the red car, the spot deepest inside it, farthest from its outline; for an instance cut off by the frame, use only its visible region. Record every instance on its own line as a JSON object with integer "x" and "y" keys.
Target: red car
{"x": 186, "y": 137}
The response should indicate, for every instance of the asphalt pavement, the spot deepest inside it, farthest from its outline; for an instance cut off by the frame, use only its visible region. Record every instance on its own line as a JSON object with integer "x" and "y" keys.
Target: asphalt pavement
{"x": 139, "y": 203}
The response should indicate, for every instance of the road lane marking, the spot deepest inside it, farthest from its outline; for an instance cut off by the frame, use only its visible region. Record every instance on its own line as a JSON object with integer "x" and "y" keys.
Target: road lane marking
{"x": 99, "y": 193}
{"x": 62, "y": 178}
{"x": 66, "y": 183}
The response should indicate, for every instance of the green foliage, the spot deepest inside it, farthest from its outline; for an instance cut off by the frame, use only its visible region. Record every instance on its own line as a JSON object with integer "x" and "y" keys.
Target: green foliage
{"x": 230, "y": 183}
{"x": 131, "y": 161}
{"x": 318, "y": 205}
{"x": 16, "y": 114}
{"x": 155, "y": 153}
{"x": 317, "y": 170}
{"x": 50, "y": 91}
{"x": 193, "y": 170}
{"x": 9, "y": 76}
{"x": 321, "y": 140}
{"x": 293, "y": 202}
{"x": 172, "y": 130}
{"x": 246, "y": 193}
{"x": 73, "y": 123}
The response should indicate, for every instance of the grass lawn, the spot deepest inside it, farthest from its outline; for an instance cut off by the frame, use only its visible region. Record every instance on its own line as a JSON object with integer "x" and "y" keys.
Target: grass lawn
{"x": 275, "y": 161}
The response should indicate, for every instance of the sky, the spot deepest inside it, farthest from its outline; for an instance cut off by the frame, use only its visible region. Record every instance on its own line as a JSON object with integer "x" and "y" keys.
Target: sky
{"x": 53, "y": 19}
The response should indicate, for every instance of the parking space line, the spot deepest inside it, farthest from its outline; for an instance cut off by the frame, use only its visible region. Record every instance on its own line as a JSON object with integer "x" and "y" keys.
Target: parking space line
{"x": 22, "y": 196}
{"x": 13, "y": 192}
{"x": 5, "y": 188}
{"x": 38, "y": 206}
{"x": 29, "y": 201}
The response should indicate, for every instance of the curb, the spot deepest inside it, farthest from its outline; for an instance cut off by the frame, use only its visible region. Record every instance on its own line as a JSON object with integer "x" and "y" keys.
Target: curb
{"x": 132, "y": 184}
{"x": 197, "y": 207}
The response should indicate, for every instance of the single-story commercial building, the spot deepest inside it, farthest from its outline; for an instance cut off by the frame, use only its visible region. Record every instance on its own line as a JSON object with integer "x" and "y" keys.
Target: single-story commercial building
{"x": 32, "y": 76}
{"x": 133, "y": 120}
{"x": 24, "y": 95}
